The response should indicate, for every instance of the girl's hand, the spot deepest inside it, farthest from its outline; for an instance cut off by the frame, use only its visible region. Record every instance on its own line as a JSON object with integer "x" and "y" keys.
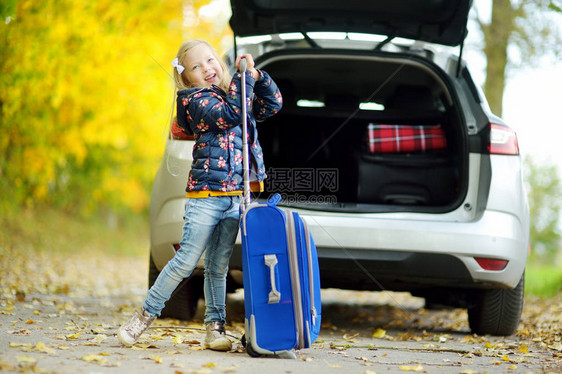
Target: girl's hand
{"x": 251, "y": 64}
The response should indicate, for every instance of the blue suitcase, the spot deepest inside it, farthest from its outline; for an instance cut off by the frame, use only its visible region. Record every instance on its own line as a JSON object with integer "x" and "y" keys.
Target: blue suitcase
{"x": 280, "y": 271}
{"x": 281, "y": 280}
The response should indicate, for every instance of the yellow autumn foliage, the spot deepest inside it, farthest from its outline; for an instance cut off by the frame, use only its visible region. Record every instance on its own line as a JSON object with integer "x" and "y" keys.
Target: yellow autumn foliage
{"x": 86, "y": 96}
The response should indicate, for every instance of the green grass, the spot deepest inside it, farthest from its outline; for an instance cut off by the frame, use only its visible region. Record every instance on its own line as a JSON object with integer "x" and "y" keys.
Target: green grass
{"x": 49, "y": 230}
{"x": 543, "y": 280}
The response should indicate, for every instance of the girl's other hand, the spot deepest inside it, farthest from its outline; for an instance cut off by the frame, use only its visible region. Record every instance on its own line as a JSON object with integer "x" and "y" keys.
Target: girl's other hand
{"x": 251, "y": 64}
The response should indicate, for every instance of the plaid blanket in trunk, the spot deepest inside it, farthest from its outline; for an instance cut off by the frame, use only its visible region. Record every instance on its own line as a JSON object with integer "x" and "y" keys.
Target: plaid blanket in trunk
{"x": 384, "y": 138}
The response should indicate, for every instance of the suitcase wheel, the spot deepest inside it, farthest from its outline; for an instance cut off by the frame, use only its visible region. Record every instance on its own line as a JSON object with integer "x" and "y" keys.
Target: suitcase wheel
{"x": 243, "y": 340}
{"x": 248, "y": 347}
{"x": 251, "y": 351}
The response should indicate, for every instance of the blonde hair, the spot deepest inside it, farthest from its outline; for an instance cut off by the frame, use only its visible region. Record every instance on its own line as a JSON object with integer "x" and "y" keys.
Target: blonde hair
{"x": 182, "y": 82}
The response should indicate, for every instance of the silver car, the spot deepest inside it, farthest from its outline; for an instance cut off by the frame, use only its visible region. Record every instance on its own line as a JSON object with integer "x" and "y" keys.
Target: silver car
{"x": 387, "y": 148}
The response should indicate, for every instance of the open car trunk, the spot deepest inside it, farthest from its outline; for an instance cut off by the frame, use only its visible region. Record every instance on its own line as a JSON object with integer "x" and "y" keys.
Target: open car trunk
{"x": 323, "y": 150}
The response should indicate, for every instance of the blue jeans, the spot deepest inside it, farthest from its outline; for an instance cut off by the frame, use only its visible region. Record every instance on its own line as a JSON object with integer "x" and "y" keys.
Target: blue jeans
{"x": 210, "y": 223}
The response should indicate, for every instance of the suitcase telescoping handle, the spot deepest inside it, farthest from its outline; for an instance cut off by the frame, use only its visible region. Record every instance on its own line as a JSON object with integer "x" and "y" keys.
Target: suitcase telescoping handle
{"x": 245, "y": 151}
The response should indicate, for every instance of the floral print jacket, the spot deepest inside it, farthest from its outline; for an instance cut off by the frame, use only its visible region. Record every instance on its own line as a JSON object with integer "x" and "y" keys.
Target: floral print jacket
{"x": 214, "y": 117}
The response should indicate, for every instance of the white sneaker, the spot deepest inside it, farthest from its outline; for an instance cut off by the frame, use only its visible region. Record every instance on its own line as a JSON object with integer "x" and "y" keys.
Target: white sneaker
{"x": 216, "y": 337}
{"x": 131, "y": 330}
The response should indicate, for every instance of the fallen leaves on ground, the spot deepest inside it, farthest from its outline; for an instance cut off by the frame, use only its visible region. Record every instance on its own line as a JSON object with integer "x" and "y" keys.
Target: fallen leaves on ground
{"x": 88, "y": 274}
{"x": 24, "y": 272}
{"x": 378, "y": 333}
{"x": 541, "y": 322}
{"x": 417, "y": 367}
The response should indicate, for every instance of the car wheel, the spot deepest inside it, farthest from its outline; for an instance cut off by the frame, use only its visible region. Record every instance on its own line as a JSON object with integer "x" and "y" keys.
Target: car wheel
{"x": 497, "y": 312}
{"x": 183, "y": 303}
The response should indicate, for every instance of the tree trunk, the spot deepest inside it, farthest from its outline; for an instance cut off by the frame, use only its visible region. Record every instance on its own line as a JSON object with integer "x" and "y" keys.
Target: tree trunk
{"x": 496, "y": 38}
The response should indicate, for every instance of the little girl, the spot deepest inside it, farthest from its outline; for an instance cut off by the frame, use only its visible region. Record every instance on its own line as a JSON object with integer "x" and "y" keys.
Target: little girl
{"x": 208, "y": 104}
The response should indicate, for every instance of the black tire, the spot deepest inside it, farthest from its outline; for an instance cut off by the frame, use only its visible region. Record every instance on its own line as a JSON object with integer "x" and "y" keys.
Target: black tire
{"x": 497, "y": 312}
{"x": 183, "y": 303}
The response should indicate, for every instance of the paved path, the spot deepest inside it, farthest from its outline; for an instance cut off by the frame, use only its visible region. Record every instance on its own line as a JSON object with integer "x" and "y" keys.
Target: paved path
{"x": 362, "y": 333}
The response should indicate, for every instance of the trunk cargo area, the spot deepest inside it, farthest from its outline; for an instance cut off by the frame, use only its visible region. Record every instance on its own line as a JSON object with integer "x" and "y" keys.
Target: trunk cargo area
{"x": 321, "y": 149}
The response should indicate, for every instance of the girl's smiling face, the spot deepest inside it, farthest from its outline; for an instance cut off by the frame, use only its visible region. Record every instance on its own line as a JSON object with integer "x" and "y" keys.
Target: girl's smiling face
{"x": 202, "y": 67}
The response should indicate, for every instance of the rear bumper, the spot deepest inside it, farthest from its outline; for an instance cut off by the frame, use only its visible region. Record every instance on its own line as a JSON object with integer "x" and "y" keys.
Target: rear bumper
{"x": 399, "y": 254}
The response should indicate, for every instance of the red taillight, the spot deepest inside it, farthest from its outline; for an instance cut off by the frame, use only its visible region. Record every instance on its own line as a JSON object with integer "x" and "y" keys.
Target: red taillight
{"x": 177, "y": 133}
{"x": 176, "y": 247}
{"x": 503, "y": 140}
{"x": 491, "y": 263}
